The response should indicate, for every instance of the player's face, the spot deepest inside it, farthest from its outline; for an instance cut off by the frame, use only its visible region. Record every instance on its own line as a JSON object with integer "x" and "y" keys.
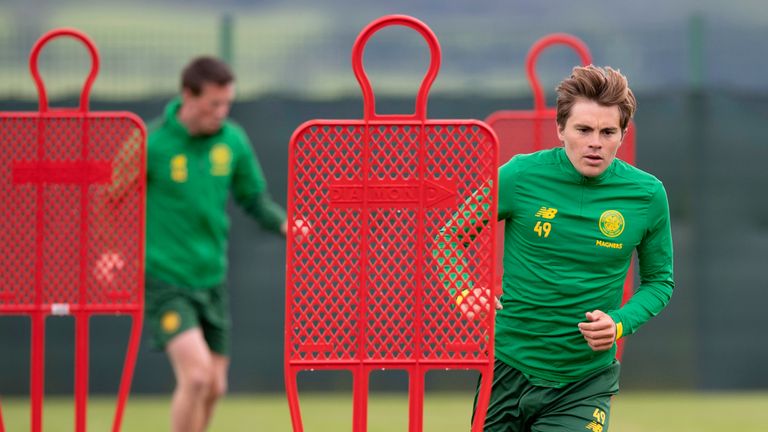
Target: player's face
{"x": 208, "y": 110}
{"x": 591, "y": 136}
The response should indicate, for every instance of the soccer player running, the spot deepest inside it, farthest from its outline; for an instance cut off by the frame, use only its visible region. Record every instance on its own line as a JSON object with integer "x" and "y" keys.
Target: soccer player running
{"x": 196, "y": 157}
{"x": 573, "y": 217}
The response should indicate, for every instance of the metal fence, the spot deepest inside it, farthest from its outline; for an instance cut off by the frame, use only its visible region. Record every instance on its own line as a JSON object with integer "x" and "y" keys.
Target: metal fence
{"x": 304, "y": 50}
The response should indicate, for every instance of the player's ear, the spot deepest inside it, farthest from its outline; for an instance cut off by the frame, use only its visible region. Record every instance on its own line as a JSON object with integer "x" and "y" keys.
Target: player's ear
{"x": 623, "y": 135}
{"x": 186, "y": 95}
{"x": 560, "y": 131}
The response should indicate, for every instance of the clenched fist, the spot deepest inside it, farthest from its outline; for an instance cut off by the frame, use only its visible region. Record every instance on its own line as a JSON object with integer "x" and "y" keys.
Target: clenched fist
{"x": 476, "y": 303}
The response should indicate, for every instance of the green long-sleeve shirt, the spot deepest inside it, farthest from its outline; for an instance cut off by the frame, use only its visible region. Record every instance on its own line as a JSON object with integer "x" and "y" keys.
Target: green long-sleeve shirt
{"x": 568, "y": 243}
{"x": 189, "y": 179}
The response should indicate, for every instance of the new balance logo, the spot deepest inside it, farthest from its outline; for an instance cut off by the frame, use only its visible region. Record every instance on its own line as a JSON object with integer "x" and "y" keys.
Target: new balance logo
{"x": 594, "y": 427}
{"x": 546, "y": 213}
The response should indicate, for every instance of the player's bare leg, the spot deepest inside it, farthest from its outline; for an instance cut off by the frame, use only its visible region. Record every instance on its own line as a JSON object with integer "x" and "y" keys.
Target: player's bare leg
{"x": 218, "y": 387}
{"x": 192, "y": 364}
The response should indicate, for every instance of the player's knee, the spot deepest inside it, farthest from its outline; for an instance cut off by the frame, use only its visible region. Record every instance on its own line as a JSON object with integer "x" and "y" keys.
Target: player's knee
{"x": 218, "y": 389}
{"x": 197, "y": 381}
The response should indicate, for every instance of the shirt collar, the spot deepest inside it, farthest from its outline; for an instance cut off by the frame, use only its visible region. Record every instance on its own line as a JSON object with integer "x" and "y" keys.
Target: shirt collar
{"x": 171, "y": 116}
{"x": 572, "y": 174}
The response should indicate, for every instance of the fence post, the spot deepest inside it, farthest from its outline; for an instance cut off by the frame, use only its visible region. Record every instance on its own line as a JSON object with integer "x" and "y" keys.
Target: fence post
{"x": 696, "y": 52}
{"x": 700, "y": 186}
{"x": 226, "y": 39}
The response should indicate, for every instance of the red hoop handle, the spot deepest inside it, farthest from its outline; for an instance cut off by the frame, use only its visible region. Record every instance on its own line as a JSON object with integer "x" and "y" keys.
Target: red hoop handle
{"x": 33, "y": 65}
{"x": 369, "y": 100}
{"x": 539, "y": 103}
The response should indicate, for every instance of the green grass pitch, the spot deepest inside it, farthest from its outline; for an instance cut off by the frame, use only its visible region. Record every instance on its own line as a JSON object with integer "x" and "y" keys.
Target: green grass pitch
{"x": 444, "y": 412}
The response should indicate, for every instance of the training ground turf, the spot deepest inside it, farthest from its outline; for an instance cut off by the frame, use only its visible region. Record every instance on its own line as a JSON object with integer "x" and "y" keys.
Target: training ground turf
{"x": 444, "y": 412}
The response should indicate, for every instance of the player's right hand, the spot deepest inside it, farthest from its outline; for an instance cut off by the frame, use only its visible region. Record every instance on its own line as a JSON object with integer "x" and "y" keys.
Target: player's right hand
{"x": 477, "y": 303}
{"x": 300, "y": 230}
{"x": 107, "y": 267}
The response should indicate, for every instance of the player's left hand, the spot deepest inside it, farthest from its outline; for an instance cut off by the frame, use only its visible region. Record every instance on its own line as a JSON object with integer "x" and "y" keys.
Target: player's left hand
{"x": 599, "y": 331}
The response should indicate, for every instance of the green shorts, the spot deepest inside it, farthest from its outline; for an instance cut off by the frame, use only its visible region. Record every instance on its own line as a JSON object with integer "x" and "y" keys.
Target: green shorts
{"x": 171, "y": 310}
{"x": 516, "y": 405}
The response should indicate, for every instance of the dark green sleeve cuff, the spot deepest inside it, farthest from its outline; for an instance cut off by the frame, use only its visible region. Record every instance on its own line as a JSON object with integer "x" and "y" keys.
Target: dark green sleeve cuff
{"x": 268, "y": 213}
{"x": 621, "y": 330}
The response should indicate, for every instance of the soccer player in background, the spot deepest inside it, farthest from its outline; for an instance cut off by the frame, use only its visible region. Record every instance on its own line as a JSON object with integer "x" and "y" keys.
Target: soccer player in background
{"x": 196, "y": 157}
{"x": 573, "y": 215}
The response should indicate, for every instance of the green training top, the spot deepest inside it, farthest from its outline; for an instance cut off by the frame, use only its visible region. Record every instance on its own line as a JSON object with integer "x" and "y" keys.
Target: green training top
{"x": 568, "y": 243}
{"x": 189, "y": 179}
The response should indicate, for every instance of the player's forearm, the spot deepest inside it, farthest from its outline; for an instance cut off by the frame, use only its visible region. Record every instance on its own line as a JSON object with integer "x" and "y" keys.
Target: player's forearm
{"x": 470, "y": 219}
{"x": 450, "y": 247}
{"x": 452, "y": 271}
{"x": 650, "y": 298}
{"x": 457, "y": 234}
{"x": 268, "y": 213}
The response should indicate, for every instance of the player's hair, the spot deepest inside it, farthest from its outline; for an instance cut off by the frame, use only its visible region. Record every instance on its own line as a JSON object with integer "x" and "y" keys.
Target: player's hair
{"x": 205, "y": 69}
{"x": 604, "y": 85}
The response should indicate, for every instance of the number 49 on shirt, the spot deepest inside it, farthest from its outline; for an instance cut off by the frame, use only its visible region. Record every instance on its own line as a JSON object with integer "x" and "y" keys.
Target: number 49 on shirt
{"x": 543, "y": 228}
